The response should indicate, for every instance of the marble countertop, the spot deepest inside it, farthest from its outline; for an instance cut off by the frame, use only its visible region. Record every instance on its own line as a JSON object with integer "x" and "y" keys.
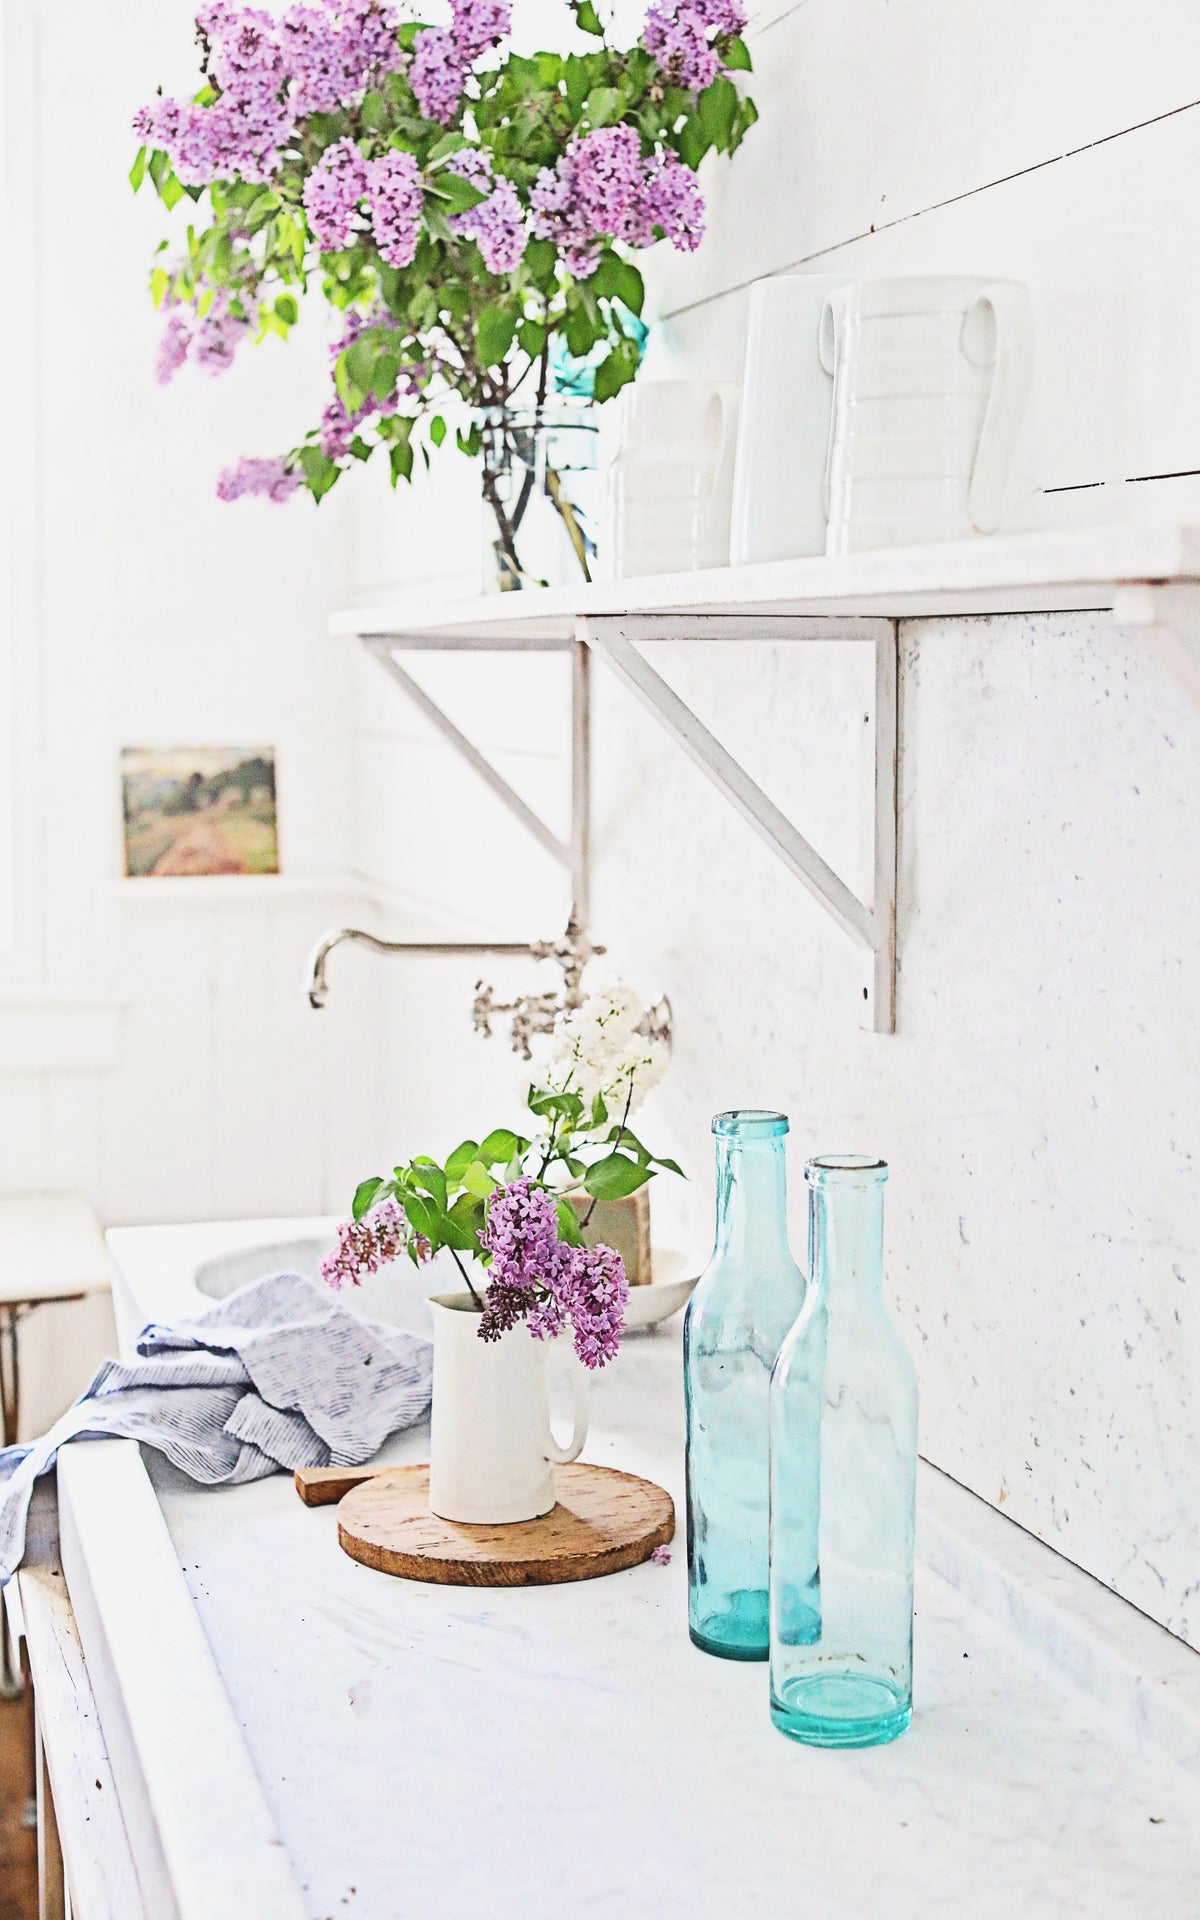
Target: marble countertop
{"x": 565, "y": 1751}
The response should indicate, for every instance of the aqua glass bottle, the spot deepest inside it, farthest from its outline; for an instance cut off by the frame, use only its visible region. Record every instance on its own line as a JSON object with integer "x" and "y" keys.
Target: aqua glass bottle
{"x": 748, "y": 1297}
{"x": 843, "y": 1482}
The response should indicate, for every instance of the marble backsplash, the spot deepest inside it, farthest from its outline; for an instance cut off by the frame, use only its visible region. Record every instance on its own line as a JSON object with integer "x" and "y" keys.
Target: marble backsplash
{"x": 1040, "y": 1102}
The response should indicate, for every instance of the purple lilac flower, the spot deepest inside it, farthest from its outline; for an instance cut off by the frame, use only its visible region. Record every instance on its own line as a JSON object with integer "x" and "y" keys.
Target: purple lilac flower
{"x": 217, "y": 337}
{"x": 522, "y": 1235}
{"x": 679, "y": 35}
{"x": 363, "y": 1246}
{"x": 602, "y": 187}
{"x": 661, "y": 1556}
{"x": 437, "y": 74}
{"x": 534, "y": 1277}
{"x": 332, "y": 193}
{"x": 670, "y": 199}
{"x": 598, "y": 1303}
{"x": 479, "y": 24}
{"x": 497, "y": 225}
{"x": 395, "y": 199}
{"x": 273, "y": 479}
{"x": 173, "y": 347}
{"x": 332, "y": 53}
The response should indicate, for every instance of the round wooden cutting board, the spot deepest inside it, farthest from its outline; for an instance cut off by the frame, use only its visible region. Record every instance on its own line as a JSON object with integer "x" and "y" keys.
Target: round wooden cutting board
{"x": 604, "y": 1521}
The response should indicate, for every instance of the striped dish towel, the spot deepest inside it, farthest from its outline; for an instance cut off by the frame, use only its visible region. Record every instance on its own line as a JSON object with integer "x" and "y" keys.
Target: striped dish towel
{"x": 279, "y": 1375}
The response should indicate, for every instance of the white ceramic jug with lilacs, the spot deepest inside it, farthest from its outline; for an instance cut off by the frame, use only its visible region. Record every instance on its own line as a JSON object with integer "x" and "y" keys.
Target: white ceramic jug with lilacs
{"x": 504, "y": 1209}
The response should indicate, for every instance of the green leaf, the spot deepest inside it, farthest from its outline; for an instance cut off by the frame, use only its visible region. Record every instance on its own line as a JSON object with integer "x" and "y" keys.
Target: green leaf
{"x": 458, "y": 194}
{"x": 287, "y": 309}
{"x": 672, "y": 1166}
{"x": 364, "y": 1196}
{"x": 320, "y": 474}
{"x": 568, "y": 1222}
{"x": 603, "y": 106}
{"x": 437, "y": 429}
{"x": 578, "y": 81}
{"x": 497, "y": 1148}
{"x": 423, "y": 1216}
{"x": 478, "y": 1180}
{"x": 532, "y": 336}
{"x": 160, "y": 281}
{"x": 373, "y": 111}
{"x": 736, "y": 55}
{"x": 400, "y": 460}
{"x": 461, "y": 1227}
{"x": 494, "y": 334}
{"x": 170, "y": 192}
{"x": 137, "y": 172}
{"x": 617, "y": 279}
{"x": 588, "y": 19}
{"x": 693, "y": 142}
{"x": 613, "y": 1178}
{"x": 599, "y": 1111}
{"x": 617, "y": 370}
{"x": 427, "y": 1175}
{"x": 716, "y": 109}
{"x": 460, "y": 1160}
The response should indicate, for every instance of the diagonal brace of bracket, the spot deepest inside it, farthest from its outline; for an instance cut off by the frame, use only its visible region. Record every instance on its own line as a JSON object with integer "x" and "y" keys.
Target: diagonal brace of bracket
{"x": 520, "y": 809}
{"x": 871, "y": 927}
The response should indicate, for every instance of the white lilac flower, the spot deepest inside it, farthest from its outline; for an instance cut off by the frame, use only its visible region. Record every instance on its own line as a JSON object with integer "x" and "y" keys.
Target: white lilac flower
{"x": 598, "y": 1051}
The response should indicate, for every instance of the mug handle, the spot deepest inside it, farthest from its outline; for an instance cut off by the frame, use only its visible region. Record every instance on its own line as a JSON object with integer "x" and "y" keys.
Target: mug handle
{"x": 563, "y": 1456}
{"x": 829, "y": 348}
{"x": 1012, "y": 373}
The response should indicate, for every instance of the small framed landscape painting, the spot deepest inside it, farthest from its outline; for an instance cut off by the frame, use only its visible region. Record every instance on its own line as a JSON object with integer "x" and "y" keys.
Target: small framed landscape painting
{"x": 199, "y": 810}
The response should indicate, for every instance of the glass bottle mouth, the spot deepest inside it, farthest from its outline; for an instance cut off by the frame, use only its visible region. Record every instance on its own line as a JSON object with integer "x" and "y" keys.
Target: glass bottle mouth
{"x": 850, "y": 1169}
{"x": 750, "y": 1123}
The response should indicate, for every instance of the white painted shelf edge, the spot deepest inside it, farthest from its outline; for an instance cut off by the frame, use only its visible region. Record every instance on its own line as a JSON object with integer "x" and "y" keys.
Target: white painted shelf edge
{"x": 1079, "y": 569}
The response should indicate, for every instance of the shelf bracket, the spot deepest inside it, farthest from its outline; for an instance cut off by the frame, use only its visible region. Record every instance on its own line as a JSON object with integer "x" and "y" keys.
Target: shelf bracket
{"x": 573, "y": 854}
{"x": 871, "y": 927}
{"x": 1170, "y": 614}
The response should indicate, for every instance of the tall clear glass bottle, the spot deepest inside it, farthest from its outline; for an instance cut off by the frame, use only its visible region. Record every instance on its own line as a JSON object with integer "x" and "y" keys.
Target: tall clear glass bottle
{"x": 843, "y": 1482}
{"x": 748, "y": 1297}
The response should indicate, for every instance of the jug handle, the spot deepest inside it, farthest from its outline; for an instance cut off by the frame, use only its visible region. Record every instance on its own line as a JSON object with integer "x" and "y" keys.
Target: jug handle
{"x": 1012, "y": 371}
{"x": 828, "y": 345}
{"x": 563, "y": 1456}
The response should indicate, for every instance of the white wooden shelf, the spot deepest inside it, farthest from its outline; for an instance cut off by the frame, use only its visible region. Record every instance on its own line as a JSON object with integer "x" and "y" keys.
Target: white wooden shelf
{"x": 1026, "y": 573}
{"x": 1149, "y": 576}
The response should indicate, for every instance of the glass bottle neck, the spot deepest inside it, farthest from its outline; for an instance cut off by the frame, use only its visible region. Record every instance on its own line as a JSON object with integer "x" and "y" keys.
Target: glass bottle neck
{"x": 752, "y": 1198}
{"x": 846, "y": 1242}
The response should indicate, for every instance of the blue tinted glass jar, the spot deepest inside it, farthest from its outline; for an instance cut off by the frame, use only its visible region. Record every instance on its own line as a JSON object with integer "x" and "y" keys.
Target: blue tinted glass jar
{"x": 748, "y": 1297}
{"x": 843, "y": 1482}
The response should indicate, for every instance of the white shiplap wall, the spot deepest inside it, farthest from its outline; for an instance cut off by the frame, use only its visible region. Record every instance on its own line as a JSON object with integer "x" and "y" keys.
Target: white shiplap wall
{"x": 1039, "y": 1101}
{"x": 155, "y": 1050}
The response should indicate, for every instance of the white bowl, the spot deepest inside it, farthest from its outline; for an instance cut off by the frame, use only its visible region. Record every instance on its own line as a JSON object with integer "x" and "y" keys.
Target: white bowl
{"x": 666, "y": 1293}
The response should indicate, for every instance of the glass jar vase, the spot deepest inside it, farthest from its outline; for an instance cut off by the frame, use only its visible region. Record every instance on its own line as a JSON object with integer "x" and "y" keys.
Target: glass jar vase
{"x": 540, "y": 495}
{"x": 747, "y": 1298}
{"x": 843, "y": 1482}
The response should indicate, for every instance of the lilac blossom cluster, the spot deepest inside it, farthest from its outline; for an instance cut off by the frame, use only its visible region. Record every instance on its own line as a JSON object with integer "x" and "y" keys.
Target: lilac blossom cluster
{"x": 443, "y": 56}
{"x": 267, "y": 74}
{"x": 680, "y": 35}
{"x": 270, "y": 479}
{"x": 390, "y": 186}
{"x": 363, "y": 1246}
{"x": 209, "y": 340}
{"x": 603, "y": 188}
{"x": 535, "y": 1277}
{"x": 497, "y": 224}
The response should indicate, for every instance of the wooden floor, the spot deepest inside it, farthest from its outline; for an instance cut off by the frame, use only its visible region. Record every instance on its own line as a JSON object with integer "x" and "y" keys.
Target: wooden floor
{"x": 18, "y": 1843}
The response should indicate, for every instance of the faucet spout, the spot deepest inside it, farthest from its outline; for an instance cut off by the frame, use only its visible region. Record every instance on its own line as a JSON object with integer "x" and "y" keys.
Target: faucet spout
{"x": 317, "y": 985}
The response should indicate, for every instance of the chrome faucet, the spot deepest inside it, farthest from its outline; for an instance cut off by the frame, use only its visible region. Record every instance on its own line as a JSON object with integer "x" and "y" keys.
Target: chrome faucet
{"x": 531, "y": 1013}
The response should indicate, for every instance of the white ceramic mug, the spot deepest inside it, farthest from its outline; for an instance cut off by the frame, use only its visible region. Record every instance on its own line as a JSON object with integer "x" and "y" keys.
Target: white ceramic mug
{"x": 783, "y": 426}
{"x": 931, "y": 379}
{"x": 491, "y": 1448}
{"x": 670, "y": 485}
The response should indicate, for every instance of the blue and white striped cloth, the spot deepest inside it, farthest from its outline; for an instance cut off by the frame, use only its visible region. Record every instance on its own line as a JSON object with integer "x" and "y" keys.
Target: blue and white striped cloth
{"x": 279, "y": 1375}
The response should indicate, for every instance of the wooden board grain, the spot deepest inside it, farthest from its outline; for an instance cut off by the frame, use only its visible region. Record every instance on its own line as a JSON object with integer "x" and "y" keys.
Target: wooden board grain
{"x": 325, "y": 1486}
{"x": 604, "y": 1521}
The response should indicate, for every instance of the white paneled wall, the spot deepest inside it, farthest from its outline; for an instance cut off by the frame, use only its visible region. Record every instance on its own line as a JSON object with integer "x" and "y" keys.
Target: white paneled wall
{"x": 155, "y": 1049}
{"x": 1039, "y": 1101}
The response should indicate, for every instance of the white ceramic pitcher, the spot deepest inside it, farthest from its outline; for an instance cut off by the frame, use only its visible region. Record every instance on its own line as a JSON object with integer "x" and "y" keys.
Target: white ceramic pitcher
{"x": 779, "y": 506}
{"x": 931, "y": 379}
{"x": 491, "y": 1448}
{"x": 670, "y": 485}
